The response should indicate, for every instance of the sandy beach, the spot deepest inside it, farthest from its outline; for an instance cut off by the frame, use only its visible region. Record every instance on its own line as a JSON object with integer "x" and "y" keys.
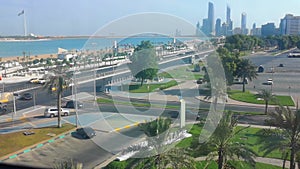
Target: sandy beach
{"x": 33, "y": 57}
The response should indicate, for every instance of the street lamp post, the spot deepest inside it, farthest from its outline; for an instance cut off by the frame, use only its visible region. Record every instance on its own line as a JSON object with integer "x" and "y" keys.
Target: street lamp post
{"x": 95, "y": 97}
{"x": 74, "y": 91}
{"x": 15, "y": 110}
{"x": 34, "y": 98}
{"x": 289, "y": 90}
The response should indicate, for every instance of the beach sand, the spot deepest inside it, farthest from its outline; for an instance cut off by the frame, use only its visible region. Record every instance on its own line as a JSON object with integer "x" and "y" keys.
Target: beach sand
{"x": 33, "y": 57}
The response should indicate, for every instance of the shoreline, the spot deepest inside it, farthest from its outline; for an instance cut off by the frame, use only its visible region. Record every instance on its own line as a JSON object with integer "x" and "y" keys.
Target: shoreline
{"x": 33, "y": 57}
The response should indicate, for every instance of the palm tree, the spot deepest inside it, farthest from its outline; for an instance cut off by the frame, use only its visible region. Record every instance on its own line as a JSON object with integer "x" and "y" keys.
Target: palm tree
{"x": 267, "y": 96}
{"x": 222, "y": 145}
{"x": 68, "y": 164}
{"x": 217, "y": 90}
{"x": 287, "y": 122}
{"x": 162, "y": 155}
{"x": 58, "y": 82}
{"x": 246, "y": 70}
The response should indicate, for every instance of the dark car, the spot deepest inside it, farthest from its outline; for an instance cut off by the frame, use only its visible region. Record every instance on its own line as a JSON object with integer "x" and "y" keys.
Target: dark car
{"x": 71, "y": 104}
{"x": 26, "y": 96}
{"x": 86, "y": 132}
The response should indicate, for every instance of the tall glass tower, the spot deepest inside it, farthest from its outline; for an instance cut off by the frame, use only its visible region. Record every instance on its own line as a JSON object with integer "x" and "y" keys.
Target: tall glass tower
{"x": 244, "y": 23}
{"x": 229, "y": 25}
{"x": 211, "y": 17}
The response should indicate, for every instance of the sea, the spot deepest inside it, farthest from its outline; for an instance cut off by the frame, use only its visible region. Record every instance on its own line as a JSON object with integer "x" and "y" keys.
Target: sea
{"x": 50, "y": 46}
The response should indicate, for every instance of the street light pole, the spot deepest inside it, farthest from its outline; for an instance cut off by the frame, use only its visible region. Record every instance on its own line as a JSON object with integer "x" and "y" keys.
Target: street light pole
{"x": 75, "y": 96}
{"x": 34, "y": 97}
{"x": 95, "y": 97}
{"x": 15, "y": 110}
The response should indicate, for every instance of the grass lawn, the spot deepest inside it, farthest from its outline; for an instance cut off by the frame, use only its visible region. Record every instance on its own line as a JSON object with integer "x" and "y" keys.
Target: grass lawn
{"x": 242, "y": 165}
{"x": 248, "y": 136}
{"x": 13, "y": 142}
{"x": 183, "y": 72}
{"x": 137, "y": 88}
{"x": 136, "y": 104}
{"x": 252, "y": 98}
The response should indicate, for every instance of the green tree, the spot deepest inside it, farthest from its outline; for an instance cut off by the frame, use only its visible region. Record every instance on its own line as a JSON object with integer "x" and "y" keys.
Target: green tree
{"x": 223, "y": 145}
{"x": 58, "y": 82}
{"x": 144, "y": 62}
{"x": 246, "y": 70}
{"x": 286, "y": 137}
{"x": 267, "y": 96}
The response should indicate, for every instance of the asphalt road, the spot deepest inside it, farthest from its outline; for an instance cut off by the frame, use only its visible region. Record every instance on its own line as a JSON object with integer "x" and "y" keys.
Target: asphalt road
{"x": 86, "y": 151}
{"x": 285, "y": 79}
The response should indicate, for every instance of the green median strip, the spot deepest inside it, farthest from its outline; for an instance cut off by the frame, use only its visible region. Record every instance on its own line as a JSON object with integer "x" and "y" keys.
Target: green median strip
{"x": 26, "y": 151}
{"x": 13, "y": 156}
{"x": 39, "y": 145}
{"x": 51, "y": 141}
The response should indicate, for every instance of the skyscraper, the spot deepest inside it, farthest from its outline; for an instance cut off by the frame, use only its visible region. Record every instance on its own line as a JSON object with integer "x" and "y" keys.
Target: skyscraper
{"x": 211, "y": 17}
{"x": 198, "y": 29}
{"x": 244, "y": 24}
{"x": 228, "y": 22}
{"x": 208, "y": 23}
{"x": 218, "y": 27}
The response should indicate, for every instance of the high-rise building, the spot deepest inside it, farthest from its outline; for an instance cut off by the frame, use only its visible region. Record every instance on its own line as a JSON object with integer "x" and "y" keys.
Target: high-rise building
{"x": 211, "y": 17}
{"x": 224, "y": 29}
{"x": 208, "y": 23}
{"x": 244, "y": 24}
{"x": 205, "y": 27}
{"x": 268, "y": 29}
{"x": 218, "y": 27}
{"x": 290, "y": 25}
{"x": 198, "y": 29}
{"x": 228, "y": 21}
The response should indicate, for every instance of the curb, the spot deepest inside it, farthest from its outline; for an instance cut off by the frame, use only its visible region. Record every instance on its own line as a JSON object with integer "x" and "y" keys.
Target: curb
{"x": 125, "y": 127}
{"x": 35, "y": 146}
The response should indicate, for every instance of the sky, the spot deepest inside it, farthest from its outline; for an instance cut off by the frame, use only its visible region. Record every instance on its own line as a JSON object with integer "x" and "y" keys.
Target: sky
{"x": 85, "y": 17}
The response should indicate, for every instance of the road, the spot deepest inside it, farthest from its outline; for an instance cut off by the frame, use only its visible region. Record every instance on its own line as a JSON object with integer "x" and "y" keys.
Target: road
{"x": 286, "y": 78}
{"x": 89, "y": 153}
{"x": 85, "y": 151}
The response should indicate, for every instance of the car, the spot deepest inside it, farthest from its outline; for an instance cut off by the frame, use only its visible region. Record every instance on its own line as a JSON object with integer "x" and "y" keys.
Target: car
{"x": 17, "y": 96}
{"x": 34, "y": 80}
{"x": 53, "y": 111}
{"x": 71, "y": 104}
{"x": 269, "y": 82}
{"x": 3, "y": 107}
{"x": 86, "y": 132}
{"x": 41, "y": 81}
{"x": 200, "y": 81}
{"x": 26, "y": 96}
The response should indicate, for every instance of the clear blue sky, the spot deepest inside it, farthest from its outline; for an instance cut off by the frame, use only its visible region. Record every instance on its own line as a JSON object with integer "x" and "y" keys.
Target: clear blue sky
{"x": 84, "y": 17}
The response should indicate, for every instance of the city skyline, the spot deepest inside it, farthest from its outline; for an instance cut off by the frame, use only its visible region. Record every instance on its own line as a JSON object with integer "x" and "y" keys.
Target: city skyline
{"x": 68, "y": 17}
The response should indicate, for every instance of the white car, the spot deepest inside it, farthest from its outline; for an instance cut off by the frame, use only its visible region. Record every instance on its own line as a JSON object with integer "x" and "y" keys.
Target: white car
{"x": 269, "y": 82}
{"x": 53, "y": 111}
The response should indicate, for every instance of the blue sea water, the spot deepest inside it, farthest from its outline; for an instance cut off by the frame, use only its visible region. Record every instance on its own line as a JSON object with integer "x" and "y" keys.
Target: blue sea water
{"x": 50, "y": 46}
